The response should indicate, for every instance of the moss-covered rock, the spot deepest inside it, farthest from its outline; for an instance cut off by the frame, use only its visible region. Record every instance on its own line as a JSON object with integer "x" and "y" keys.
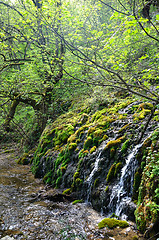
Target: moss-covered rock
{"x": 68, "y": 149}
{"x": 114, "y": 143}
{"x": 125, "y": 146}
{"x": 72, "y": 146}
{"x": 112, "y": 223}
{"x": 118, "y": 166}
{"x": 93, "y": 149}
{"x": 111, "y": 172}
{"x": 88, "y": 143}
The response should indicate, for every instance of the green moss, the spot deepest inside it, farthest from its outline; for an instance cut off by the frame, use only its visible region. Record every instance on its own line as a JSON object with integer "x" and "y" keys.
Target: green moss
{"x": 143, "y": 113}
{"x": 59, "y": 172}
{"x": 93, "y": 149}
{"x": 145, "y": 105}
{"x": 63, "y": 169}
{"x": 91, "y": 130}
{"x": 114, "y": 143}
{"x": 125, "y": 146}
{"x": 156, "y": 118}
{"x": 80, "y": 162}
{"x": 67, "y": 191}
{"x": 98, "y": 133}
{"x": 78, "y": 182}
{"x": 88, "y": 142}
{"x": 72, "y": 146}
{"x": 58, "y": 181}
{"x": 63, "y": 157}
{"x": 137, "y": 180}
{"x": 62, "y": 134}
{"x": 143, "y": 163}
{"x": 105, "y": 137}
{"x": 96, "y": 182}
{"x": 77, "y": 201}
{"x": 110, "y": 174}
{"x": 76, "y": 175}
{"x": 147, "y": 211}
{"x": 72, "y": 138}
{"x": 135, "y": 238}
{"x": 84, "y": 118}
{"x": 81, "y": 130}
{"x": 118, "y": 166}
{"x": 112, "y": 152}
{"x": 97, "y": 115}
{"x": 97, "y": 136}
{"x": 107, "y": 189}
{"x": 112, "y": 223}
{"x": 24, "y": 160}
{"x": 48, "y": 177}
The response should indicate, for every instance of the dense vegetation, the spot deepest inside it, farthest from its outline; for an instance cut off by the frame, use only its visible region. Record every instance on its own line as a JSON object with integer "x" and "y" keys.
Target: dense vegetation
{"x": 83, "y": 61}
{"x": 52, "y": 52}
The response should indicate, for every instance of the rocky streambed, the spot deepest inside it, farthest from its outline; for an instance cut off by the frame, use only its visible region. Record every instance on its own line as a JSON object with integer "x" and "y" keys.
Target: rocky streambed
{"x": 28, "y": 212}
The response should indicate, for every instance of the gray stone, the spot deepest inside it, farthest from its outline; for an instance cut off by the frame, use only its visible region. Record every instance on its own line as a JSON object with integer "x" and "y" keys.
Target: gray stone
{"x": 7, "y": 238}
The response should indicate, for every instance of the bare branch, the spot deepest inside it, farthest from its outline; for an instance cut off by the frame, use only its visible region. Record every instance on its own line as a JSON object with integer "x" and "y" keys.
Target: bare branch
{"x": 114, "y": 8}
{"x": 12, "y": 7}
{"x": 4, "y": 57}
{"x": 10, "y": 65}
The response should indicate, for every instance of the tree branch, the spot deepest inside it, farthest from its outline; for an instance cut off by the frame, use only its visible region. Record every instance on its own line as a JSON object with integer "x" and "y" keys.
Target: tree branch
{"x": 114, "y": 8}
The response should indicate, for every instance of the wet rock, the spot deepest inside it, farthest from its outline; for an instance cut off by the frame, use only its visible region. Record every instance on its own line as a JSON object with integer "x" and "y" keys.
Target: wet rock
{"x": 52, "y": 195}
{"x": 7, "y": 238}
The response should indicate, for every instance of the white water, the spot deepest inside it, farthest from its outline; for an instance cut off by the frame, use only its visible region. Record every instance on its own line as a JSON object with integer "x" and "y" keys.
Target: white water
{"x": 89, "y": 179}
{"x": 123, "y": 189}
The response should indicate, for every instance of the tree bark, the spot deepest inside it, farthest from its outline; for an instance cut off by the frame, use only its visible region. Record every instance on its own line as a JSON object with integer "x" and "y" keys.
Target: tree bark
{"x": 10, "y": 115}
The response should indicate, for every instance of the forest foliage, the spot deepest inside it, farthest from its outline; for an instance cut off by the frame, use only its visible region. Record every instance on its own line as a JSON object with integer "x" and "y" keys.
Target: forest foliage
{"x": 56, "y": 52}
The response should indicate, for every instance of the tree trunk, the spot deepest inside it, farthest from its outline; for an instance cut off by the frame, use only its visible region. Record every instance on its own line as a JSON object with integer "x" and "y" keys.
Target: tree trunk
{"x": 10, "y": 115}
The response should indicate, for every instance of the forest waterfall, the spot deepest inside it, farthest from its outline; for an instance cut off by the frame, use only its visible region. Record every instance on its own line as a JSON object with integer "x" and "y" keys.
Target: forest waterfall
{"x": 122, "y": 191}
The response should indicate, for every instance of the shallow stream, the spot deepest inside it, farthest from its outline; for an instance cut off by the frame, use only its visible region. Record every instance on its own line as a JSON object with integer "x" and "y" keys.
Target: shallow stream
{"x": 21, "y": 217}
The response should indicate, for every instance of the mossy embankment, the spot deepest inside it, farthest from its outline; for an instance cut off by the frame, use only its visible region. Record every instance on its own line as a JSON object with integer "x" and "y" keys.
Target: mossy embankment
{"x": 69, "y": 146}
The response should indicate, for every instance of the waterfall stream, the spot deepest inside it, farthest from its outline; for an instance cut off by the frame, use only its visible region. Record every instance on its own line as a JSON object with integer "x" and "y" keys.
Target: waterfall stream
{"x": 122, "y": 191}
{"x": 95, "y": 169}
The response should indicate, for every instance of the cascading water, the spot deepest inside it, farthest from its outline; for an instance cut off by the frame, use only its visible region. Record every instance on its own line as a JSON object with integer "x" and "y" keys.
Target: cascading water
{"x": 95, "y": 169}
{"x": 90, "y": 178}
{"x": 122, "y": 191}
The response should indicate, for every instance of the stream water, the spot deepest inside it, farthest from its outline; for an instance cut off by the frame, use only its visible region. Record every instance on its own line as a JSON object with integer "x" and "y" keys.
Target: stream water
{"x": 23, "y": 218}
